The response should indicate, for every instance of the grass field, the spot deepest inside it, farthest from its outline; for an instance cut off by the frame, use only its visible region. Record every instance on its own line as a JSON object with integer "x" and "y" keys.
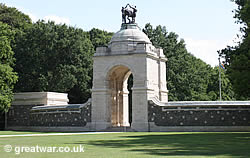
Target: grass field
{"x": 135, "y": 144}
{"x": 18, "y": 132}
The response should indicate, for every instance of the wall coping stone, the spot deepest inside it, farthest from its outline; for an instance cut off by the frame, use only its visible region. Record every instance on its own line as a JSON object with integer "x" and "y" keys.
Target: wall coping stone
{"x": 199, "y": 103}
{"x": 69, "y": 106}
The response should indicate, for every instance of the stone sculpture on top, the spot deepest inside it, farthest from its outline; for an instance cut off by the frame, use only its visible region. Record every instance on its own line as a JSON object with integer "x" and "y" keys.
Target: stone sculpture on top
{"x": 128, "y": 13}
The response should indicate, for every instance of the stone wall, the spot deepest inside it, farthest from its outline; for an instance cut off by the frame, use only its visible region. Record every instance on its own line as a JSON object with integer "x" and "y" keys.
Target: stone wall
{"x": 2, "y": 120}
{"x": 69, "y": 115}
{"x": 73, "y": 115}
{"x": 19, "y": 115}
{"x": 199, "y": 114}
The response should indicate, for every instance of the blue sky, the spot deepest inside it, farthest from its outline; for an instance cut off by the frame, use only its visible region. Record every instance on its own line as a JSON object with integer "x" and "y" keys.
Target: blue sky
{"x": 205, "y": 25}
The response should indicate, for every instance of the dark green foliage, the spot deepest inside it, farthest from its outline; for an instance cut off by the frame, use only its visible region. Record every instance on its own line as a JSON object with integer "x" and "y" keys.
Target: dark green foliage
{"x": 99, "y": 37}
{"x": 7, "y": 76}
{"x": 12, "y": 22}
{"x": 13, "y": 17}
{"x": 188, "y": 78}
{"x": 238, "y": 58}
{"x": 227, "y": 92}
{"x": 54, "y": 58}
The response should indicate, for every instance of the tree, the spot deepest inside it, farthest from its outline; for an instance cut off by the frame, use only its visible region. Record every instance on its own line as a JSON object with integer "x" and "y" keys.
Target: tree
{"x": 12, "y": 22}
{"x": 227, "y": 92}
{"x": 237, "y": 58}
{"x": 54, "y": 57}
{"x": 188, "y": 78}
{"x": 13, "y": 17}
{"x": 7, "y": 76}
{"x": 99, "y": 37}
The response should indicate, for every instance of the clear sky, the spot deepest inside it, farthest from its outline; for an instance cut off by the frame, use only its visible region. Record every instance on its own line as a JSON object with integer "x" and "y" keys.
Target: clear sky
{"x": 205, "y": 25}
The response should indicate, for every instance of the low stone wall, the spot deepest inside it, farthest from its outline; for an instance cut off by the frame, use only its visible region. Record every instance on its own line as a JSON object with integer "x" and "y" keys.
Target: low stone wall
{"x": 63, "y": 117}
{"x": 2, "y": 120}
{"x": 68, "y": 115}
{"x": 190, "y": 115}
{"x": 19, "y": 115}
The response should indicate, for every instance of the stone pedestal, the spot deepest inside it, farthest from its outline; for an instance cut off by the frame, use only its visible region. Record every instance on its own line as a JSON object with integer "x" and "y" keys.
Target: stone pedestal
{"x": 40, "y": 98}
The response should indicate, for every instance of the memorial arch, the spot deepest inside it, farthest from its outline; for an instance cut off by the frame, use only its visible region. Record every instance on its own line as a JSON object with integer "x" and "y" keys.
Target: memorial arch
{"x": 129, "y": 52}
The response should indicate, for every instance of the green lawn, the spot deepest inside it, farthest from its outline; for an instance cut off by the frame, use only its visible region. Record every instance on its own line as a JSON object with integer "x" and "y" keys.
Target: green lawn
{"x": 137, "y": 144}
{"x": 19, "y": 132}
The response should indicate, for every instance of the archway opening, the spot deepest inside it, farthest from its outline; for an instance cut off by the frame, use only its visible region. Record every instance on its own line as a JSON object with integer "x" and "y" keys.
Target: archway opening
{"x": 120, "y": 84}
{"x": 129, "y": 86}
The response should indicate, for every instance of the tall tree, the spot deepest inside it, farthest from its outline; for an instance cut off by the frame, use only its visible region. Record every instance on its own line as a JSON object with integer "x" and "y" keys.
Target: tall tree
{"x": 238, "y": 58}
{"x": 188, "y": 78}
{"x": 7, "y": 76}
{"x": 13, "y": 17}
{"x": 54, "y": 57}
{"x": 12, "y": 22}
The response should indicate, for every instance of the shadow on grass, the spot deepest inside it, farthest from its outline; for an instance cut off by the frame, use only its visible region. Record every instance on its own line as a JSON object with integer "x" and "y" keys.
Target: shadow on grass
{"x": 174, "y": 144}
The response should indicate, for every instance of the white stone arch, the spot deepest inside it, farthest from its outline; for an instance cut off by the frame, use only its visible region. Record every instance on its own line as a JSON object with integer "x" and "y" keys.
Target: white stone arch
{"x": 129, "y": 49}
{"x": 116, "y": 80}
{"x": 110, "y": 67}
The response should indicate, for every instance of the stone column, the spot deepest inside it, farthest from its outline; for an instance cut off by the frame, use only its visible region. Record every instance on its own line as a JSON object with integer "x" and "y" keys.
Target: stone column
{"x": 163, "y": 92}
{"x": 101, "y": 118}
{"x": 139, "y": 107}
{"x": 125, "y": 116}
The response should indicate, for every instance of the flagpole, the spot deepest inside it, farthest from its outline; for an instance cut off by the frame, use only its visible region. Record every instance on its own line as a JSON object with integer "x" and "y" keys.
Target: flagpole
{"x": 219, "y": 78}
